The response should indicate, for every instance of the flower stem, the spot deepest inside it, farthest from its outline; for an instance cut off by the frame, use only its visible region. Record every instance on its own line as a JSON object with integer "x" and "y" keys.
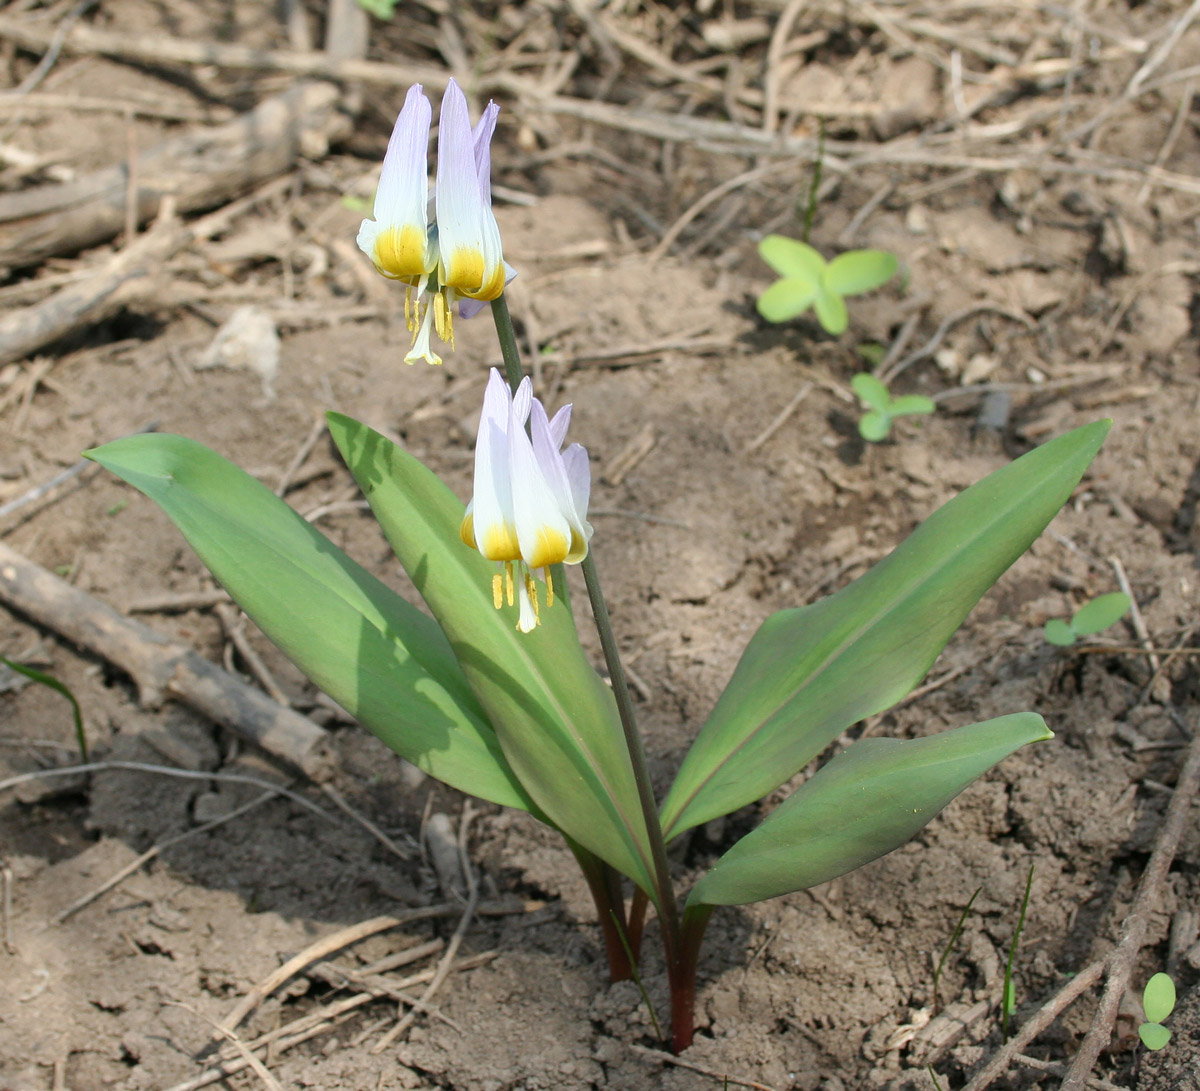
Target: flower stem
{"x": 680, "y": 956}
{"x": 665, "y": 900}
{"x": 513, "y": 371}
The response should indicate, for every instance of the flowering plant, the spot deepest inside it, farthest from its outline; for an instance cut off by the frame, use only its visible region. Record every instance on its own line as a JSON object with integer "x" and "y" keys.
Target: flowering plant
{"x": 494, "y": 695}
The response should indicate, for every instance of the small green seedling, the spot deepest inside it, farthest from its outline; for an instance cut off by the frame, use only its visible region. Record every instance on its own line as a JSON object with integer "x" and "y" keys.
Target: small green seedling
{"x": 1008, "y": 999}
{"x": 1158, "y": 999}
{"x": 50, "y": 682}
{"x": 937, "y": 974}
{"x": 875, "y": 424}
{"x": 808, "y": 280}
{"x": 1092, "y": 617}
{"x": 381, "y": 9}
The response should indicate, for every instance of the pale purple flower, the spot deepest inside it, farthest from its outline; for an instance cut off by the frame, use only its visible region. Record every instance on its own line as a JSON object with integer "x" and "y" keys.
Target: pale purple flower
{"x": 529, "y": 509}
{"x": 458, "y": 258}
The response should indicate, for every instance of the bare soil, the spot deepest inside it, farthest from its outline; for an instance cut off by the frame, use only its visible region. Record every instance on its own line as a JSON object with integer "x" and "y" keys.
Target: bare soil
{"x": 1043, "y": 197}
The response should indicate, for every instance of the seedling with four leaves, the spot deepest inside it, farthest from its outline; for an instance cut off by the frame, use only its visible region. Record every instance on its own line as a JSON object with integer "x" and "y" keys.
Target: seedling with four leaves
{"x": 808, "y": 280}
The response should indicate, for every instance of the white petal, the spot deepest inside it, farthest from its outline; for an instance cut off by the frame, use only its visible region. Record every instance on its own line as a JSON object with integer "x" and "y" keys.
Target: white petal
{"x": 491, "y": 507}
{"x": 554, "y": 470}
{"x": 397, "y": 240}
{"x": 558, "y": 426}
{"x": 472, "y": 261}
{"x": 542, "y": 528}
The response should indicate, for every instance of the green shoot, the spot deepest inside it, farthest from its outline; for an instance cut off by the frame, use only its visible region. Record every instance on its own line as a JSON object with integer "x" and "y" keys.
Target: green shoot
{"x": 810, "y": 206}
{"x": 875, "y": 424}
{"x": 53, "y": 683}
{"x": 937, "y": 974}
{"x": 808, "y": 280}
{"x": 1008, "y": 1002}
{"x": 637, "y": 978}
{"x": 1158, "y": 1000}
{"x": 381, "y": 9}
{"x": 933, "y": 1076}
{"x": 1091, "y": 618}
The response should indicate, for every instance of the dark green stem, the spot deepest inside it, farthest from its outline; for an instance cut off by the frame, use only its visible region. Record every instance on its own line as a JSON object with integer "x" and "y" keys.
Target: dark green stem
{"x": 513, "y": 371}
{"x": 667, "y": 911}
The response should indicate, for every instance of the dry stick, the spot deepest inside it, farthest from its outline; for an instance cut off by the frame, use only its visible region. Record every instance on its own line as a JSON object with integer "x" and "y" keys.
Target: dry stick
{"x": 320, "y": 950}
{"x": 160, "y": 50}
{"x": 1123, "y": 958}
{"x": 780, "y": 420}
{"x": 315, "y": 1023}
{"x": 233, "y": 621}
{"x": 452, "y": 947}
{"x": 132, "y": 275}
{"x": 775, "y": 50}
{"x": 173, "y": 603}
{"x": 712, "y": 1073}
{"x": 1182, "y": 112}
{"x": 366, "y": 823}
{"x": 1056, "y": 1069}
{"x": 200, "y": 169}
{"x": 54, "y": 47}
{"x": 153, "y": 851}
{"x": 259, "y": 1069}
{"x": 306, "y": 449}
{"x": 161, "y": 668}
{"x": 1135, "y": 612}
{"x": 944, "y": 327}
{"x": 711, "y": 197}
{"x": 1044, "y": 1016}
{"x": 52, "y": 102}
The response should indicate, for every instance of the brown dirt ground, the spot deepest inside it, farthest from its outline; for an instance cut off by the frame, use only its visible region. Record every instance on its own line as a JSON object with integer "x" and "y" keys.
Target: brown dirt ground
{"x": 700, "y": 533}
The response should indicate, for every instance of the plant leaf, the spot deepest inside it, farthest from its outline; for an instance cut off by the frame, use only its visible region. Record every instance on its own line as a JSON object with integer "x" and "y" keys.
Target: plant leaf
{"x": 792, "y": 258}
{"x": 874, "y": 426}
{"x": 831, "y": 311}
{"x": 1154, "y": 1036}
{"x": 377, "y": 655}
{"x": 909, "y": 405}
{"x": 808, "y": 673}
{"x": 864, "y": 803}
{"x": 871, "y": 391}
{"x": 858, "y": 271}
{"x": 1058, "y": 632}
{"x": 1158, "y": 998}
{"x": 1100, "y": 613}
{"x": 787, "y": 299}
{"x": 556, "y": 720}
{"x": 50, "y": 682}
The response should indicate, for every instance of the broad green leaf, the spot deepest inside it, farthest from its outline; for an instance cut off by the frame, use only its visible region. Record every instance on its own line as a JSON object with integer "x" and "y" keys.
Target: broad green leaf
{"x": 865, "y": 802}
{"x": 831, "y": 311}
{"x": 1154, "y": 1036}
{"x": 377, "y": 655}
{"x": 871, "y": 391}
{"x": 787, "y": 299}
{"x": 908, "y": 405}
{"x": 874, "y": 426}
{"x": 791, "y": 258}
{"x": 1100, "y": 613}
{"x": 858, "y": 271}
{"x": 809, "y": 673}
{"x": 1158, "y": 998}
{"x": 556, "y": 720}
{"x": 1058, "y": 632}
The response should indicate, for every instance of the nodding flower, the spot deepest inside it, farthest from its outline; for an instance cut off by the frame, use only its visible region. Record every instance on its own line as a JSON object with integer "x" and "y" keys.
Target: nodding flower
{"x": 458, "y": 258}
{"x": 529, "y": 510}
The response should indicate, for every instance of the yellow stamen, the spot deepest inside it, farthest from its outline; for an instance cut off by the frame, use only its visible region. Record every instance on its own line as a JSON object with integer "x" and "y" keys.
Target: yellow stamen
{"x": 443, "y": 318}
{"x": 408, "y": 315}
{"x": 531, "y": 591}
{"x": 497, "y": 591}
{"x": 508, "y": 581}
{"x": 549, "y": 588}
